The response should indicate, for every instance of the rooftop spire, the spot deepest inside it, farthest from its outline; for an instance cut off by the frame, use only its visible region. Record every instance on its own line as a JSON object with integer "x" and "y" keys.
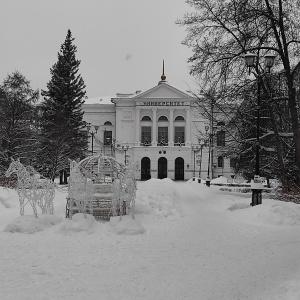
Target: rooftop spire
{"x": 163, "y": 76}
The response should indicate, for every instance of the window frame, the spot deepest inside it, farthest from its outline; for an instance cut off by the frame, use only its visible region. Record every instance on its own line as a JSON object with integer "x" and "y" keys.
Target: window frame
{"x": 220, "y": 162}
{"x": 220, "y": 138}
{"x": 145, "y": 133}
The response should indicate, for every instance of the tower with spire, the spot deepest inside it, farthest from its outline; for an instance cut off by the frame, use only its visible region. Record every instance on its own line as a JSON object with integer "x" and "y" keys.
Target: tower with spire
{"x": 163, "y": 76}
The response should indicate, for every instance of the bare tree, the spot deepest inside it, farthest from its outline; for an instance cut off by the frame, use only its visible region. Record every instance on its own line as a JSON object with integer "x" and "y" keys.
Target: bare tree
{"x": 221, "y": 32}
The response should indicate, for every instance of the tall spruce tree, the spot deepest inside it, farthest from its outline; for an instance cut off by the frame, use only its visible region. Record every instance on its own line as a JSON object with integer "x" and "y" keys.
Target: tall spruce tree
{"x": 61, "y": 133}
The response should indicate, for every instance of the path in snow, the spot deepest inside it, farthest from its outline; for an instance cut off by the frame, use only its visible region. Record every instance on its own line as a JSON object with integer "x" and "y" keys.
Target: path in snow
{"x": 193, "y": 248}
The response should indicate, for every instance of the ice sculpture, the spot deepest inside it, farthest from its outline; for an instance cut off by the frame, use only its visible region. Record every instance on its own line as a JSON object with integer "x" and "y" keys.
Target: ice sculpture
{"x": 37, "y": 191}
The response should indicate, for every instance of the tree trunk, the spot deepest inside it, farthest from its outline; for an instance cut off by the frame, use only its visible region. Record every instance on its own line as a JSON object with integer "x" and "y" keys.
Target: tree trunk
{"x": 61, "y": 175}
{"x": 279, "y": 151}
{"x": 296, "y": 130}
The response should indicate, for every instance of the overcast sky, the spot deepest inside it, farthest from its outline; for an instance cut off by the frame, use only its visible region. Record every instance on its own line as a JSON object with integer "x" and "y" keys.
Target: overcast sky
{"x": 121, "y": 43}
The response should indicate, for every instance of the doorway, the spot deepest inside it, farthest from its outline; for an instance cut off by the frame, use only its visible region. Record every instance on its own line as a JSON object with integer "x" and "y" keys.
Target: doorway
{"x": 179, "y": 168}
{"x": 162, "y": 168}
{"x": 145, "y": 168}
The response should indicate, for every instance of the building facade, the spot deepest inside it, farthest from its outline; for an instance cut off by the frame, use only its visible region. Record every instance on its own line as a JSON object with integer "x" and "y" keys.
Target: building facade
{"x": 160, "y": 130}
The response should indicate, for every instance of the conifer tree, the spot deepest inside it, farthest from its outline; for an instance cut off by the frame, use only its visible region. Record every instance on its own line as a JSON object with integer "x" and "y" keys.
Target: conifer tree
{"x": 62, "y": 135}
{"x": 18, "y": 135}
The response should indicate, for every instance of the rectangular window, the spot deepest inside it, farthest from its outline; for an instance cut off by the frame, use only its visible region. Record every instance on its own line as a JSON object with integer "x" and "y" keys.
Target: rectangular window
{"x": 220, "y": 162}
{"x": 163, "y": 135}
{"x": 107, "y": 137}
{"x": 232, "y": 162}
{"x": 179, "y": 135}
{"x": 146, "y": 134}
{"x": 221, "y": 138}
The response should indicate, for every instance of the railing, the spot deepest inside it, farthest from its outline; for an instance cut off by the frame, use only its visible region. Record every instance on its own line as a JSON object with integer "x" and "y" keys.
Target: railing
{"x": 145, "y": 144}
{"x": 161, "y": 144}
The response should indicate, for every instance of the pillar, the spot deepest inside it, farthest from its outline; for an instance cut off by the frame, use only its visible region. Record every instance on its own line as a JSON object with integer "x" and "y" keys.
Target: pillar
{"x": 119, "y": 135}
{"x": 154, "y": 127}
{"x": 188, "y": 127}
{"x": 171, "y": 126}
{"x": 137, "y": 127}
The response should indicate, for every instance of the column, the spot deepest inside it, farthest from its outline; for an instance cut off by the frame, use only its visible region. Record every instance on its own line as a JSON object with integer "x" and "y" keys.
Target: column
{"x": 171, "y": 126}
{"x": 118, "y": 126}
{"x": 137, "y": 126}
{"x": 154, "y": 127}
{"x": 188, "y": 127}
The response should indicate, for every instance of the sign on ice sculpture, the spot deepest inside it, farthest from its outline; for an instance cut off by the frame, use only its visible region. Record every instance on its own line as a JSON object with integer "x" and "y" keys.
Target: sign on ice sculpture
{"x": 30, "y": 189}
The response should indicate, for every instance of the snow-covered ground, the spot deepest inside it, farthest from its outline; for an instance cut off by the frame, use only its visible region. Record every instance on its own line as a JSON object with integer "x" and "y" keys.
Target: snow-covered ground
{"x": 187, "y": 241}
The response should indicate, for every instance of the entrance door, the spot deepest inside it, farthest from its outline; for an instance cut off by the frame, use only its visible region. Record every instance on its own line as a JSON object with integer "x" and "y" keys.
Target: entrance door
{"x": 145, "y": 168}
{"x": 162, "y": 168}
{"x": 179, "y": 168}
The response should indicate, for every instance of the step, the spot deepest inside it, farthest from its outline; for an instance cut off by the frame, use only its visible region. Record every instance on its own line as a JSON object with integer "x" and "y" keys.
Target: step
{"x": 102, "y": 188}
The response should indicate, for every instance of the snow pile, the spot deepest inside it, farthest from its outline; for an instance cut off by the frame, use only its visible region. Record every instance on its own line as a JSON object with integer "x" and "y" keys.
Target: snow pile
{"x": 220, "y": 180}
{"x": 238, "y": 205}
{"x": 270, "y": 212}
{"x": 126, "y": 225}
{"x": 280, "y": 213}
{"x": 158, "y": 197}
{"x": 8, "y": 198}
{"x": 79, "y": 222}
{"x": 290, "y": 290}
{"x": 30, "y": 224}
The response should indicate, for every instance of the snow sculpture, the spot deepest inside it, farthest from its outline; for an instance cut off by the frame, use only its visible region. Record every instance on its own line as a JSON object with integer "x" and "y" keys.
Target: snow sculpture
{"x": 117, "y": 202}
{"x": 130, "y": 186}
{"x": 124, "y": 190}
{"x": 80, "y": 189}
{"x": 34, "y": 190}
{"x": 102, "y": 186}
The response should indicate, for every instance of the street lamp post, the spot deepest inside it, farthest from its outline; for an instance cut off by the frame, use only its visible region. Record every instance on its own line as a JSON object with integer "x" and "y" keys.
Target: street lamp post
{"x": 125, "y": 149}
{"x": 195, "y": 148}
{"x": 92, "y": 133}
{"x": 256, "y": 185}
{"x": 201, "y": 143}
{"x": 208, "y": 167}
{"x": 210, "y": 147}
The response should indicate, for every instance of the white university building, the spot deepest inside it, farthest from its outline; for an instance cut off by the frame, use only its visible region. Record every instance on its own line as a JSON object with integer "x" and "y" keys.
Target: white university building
{"x": 159, "y": 130}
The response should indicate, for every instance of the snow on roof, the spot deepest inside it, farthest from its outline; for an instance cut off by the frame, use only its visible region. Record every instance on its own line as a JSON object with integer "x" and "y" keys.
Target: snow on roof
{"x": 99, "y": 100}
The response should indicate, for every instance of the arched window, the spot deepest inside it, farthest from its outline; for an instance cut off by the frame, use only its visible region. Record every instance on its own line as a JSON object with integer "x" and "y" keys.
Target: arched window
{"x": 179, "y": 118}
{"x": 108, "y": 123}
{"x": 146, "y": 118}
{"x": 220, "y": 162}
{"x": 162, "y": 118}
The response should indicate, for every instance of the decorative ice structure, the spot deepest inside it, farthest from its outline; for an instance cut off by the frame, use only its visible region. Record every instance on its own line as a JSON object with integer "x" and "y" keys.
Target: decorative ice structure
{"x": 80, "y": 189}
{"x": 37, "y": 191}
{"x": 102, "y": 186}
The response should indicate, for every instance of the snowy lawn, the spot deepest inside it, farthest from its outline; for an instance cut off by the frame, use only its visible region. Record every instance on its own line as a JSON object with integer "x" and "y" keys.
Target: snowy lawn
{"x": 187, "y": 241}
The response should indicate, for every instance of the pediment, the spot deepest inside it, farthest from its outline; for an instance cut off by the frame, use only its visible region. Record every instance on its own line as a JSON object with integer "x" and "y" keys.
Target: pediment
{"x": 165, "y": 91}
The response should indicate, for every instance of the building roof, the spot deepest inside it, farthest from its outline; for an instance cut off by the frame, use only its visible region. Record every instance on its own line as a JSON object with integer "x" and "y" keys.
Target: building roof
{"x": 99, "y": 100}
